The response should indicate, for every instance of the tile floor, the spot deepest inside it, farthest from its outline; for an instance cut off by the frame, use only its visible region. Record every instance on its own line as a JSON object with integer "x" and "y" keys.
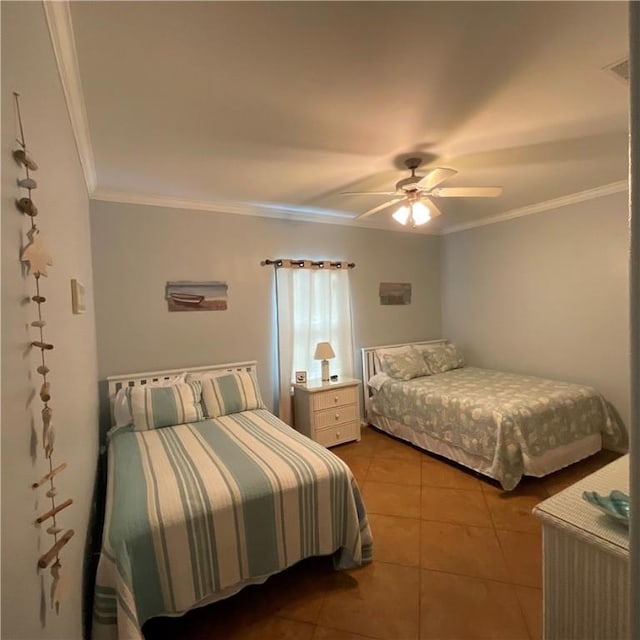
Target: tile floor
{"x": 454, "y": 558}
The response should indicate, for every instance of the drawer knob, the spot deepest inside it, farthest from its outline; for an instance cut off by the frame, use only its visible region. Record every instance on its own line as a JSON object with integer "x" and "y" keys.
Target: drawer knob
{"x": 337, "y": 434}
{"x": 337, "y": 416}
{"x": 335, "y": 399}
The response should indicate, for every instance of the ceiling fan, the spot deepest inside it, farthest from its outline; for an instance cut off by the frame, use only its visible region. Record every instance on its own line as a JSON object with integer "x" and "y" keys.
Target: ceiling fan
{"x": 416, "y": 194}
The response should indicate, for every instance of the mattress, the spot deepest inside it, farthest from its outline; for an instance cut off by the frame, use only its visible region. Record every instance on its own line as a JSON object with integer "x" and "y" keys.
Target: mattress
{"x": 500, "y": 421}
{"x": 195, "y": 512}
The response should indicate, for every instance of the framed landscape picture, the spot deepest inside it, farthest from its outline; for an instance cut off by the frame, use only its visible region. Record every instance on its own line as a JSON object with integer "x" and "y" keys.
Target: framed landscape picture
{"x": 189, "y": 295}
{"x": 395, "y": 293}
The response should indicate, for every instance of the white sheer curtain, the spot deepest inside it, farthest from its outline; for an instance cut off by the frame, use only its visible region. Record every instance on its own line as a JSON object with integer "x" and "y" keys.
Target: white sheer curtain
{"x": 314, "y": 305}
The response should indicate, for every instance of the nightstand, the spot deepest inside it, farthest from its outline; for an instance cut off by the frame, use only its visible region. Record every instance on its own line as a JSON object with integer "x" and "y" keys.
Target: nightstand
{"x": 585, "y": 566}
{"x": 328, "y": 412}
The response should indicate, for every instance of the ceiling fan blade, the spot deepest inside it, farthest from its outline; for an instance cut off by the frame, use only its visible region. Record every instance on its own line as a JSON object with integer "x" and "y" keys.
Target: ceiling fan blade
{"x": 380, "y": 207}
{"x": 433, "y": 209}
{"x": 368, "y": 193}
{"x": 467, "y": 192}
{"x": 435, "y": 177}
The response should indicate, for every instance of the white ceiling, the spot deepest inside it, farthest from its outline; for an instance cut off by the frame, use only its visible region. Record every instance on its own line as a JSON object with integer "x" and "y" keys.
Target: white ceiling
{"x": 280, "y": 106}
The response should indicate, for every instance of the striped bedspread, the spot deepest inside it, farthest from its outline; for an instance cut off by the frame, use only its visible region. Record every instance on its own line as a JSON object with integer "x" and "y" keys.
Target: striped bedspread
{"x": 195, "y": 512}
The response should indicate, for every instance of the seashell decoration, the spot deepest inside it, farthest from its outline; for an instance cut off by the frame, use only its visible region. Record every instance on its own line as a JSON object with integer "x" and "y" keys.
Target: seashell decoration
{"x": 36, "y": 256}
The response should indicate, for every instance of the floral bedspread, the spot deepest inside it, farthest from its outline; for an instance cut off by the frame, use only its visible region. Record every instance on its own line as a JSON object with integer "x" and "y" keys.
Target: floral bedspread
{"x": 498, "y": 415}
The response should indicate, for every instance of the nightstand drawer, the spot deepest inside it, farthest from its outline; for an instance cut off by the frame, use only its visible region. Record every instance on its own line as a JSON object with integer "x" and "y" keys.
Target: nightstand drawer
{"x": 338, "y": 434}
{"x": 332, "y": 417}
{"x": 335, "y": 397}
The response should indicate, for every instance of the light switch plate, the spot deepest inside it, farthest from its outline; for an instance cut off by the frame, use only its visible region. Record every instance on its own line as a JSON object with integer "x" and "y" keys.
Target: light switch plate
{"x": 77, "y": 296}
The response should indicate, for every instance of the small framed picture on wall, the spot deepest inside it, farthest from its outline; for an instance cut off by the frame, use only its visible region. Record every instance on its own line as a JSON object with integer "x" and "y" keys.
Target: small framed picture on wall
{"x": 301, "y": 377}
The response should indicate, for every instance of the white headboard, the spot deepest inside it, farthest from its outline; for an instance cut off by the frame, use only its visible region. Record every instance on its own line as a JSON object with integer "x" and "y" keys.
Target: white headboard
{"x": 371, "y": 364}
{"x": 135, "y": 379}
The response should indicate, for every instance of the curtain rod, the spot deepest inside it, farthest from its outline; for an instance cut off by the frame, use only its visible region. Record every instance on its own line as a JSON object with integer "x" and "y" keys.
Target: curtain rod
{"x": 320, "y": 264}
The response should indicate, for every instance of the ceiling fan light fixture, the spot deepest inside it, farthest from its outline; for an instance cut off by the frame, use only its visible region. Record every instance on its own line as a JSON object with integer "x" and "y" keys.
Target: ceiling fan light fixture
{"x": 402, "y": 215}
{"x": 420, "y": 214}
{"x": 415, "y": 212}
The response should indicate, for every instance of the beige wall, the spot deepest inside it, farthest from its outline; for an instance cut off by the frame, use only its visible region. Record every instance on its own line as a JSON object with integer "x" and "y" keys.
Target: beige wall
{"x": 28, "y": 66}
{"x": 545, "y": 294}
{"x": 136, "y": 249}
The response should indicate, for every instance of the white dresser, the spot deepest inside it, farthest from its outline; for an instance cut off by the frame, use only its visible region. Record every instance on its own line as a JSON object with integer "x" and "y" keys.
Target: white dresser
{"x": 586, "y": 561}
{"x": 328, "y": 412}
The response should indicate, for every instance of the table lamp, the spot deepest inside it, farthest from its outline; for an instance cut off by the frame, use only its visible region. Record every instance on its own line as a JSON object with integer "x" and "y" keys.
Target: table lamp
{"x": 324, "y": 352}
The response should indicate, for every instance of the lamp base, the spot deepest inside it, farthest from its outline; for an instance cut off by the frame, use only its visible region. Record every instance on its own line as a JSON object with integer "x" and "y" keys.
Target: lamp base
{"x": 325, "y": 371}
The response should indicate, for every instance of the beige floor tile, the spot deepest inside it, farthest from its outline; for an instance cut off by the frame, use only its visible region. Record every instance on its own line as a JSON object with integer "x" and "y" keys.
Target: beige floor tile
{"x": 523, "y": 555}
{"x": 358, "y": 464}
{"x": 364, "y": 447}
{"x": 324, "y": 633}
{"x": 437, "y": 473}
{"x": 381, "y": 601}
{"x": 273, "y": 628}
{"x": 390, "y": 499}
{"x": 372, "y": 434}
{"x": 511, "y": 510}
{"x": 396, "y": 471}
{"x": 470, "y": 551}
{"x": 395, "y": 540}
{"x": 570, "y": 475}
{"x": 455, "y": 505}
{"x": 463, "y": 608}
{"x": 235, "y": 618}
{"x": 396, "y": 449}
{"x": 531, "y": 603}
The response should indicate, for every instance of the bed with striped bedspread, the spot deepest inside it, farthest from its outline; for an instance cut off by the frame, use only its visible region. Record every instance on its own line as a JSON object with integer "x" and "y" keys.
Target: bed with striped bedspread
{"x": 195, "y": 512}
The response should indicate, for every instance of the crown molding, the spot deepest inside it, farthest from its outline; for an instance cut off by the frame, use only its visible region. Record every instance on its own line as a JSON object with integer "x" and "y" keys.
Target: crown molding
{"x": 281, "y": 212}
{"x": 540, "y": 207}
{"x": 58, "y": 16}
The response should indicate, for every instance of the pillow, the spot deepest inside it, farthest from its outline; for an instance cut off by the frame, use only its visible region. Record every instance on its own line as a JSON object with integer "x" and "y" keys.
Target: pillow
{"x": 402, "y": 363}
{"x": 231, "y": 393}
{"x": 202, "y": 375}
{"x": 441, "y": 357}
{"x": 155, "y": 407}
{"x": 375, "y": 382}
{"x": 121, "y": 408}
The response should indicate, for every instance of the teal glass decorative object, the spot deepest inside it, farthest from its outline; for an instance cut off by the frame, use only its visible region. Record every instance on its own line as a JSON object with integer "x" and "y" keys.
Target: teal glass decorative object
{"x": 616, "y": 504}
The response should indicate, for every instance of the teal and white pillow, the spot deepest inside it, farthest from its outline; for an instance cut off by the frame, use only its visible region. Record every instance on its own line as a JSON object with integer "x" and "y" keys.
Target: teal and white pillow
{"x": 231, "y": 393}
{"x": 441, "y": 357}
{"x": 402, "y": 363}
{"x": 121, "y": 406}
{"x": 155, "y": 407}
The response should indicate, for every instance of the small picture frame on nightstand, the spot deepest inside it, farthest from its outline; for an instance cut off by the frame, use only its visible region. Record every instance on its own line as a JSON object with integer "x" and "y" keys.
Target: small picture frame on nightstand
{"x": 301, "y": 377}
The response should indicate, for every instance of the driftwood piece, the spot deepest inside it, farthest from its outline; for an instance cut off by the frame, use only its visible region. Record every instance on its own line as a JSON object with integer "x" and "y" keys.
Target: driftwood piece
{"x": 45, "y": 346}
{"x": 48, "y": 476}
{"x": 39, "y": 323}
{"x": 52, "y": 512}
{"x": 43, "y": 369}
{"x": 46, "y": 558}
{"x": 53, "y": 530}
{"x": 39, "y": 299}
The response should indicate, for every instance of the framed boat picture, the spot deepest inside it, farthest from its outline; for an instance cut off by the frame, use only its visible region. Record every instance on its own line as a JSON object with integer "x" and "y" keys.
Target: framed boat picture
{"x": 191, "y": 295}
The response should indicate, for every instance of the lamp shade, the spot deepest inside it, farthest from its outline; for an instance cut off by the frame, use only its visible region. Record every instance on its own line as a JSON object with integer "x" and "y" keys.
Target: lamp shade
{"x": 402, "y": 215}
{"x": 420, "y": 214}
{"x": 323, "y": 351}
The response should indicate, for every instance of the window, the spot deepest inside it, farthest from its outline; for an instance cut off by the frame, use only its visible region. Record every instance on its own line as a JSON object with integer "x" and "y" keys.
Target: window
{"x": 314, "y": 305}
